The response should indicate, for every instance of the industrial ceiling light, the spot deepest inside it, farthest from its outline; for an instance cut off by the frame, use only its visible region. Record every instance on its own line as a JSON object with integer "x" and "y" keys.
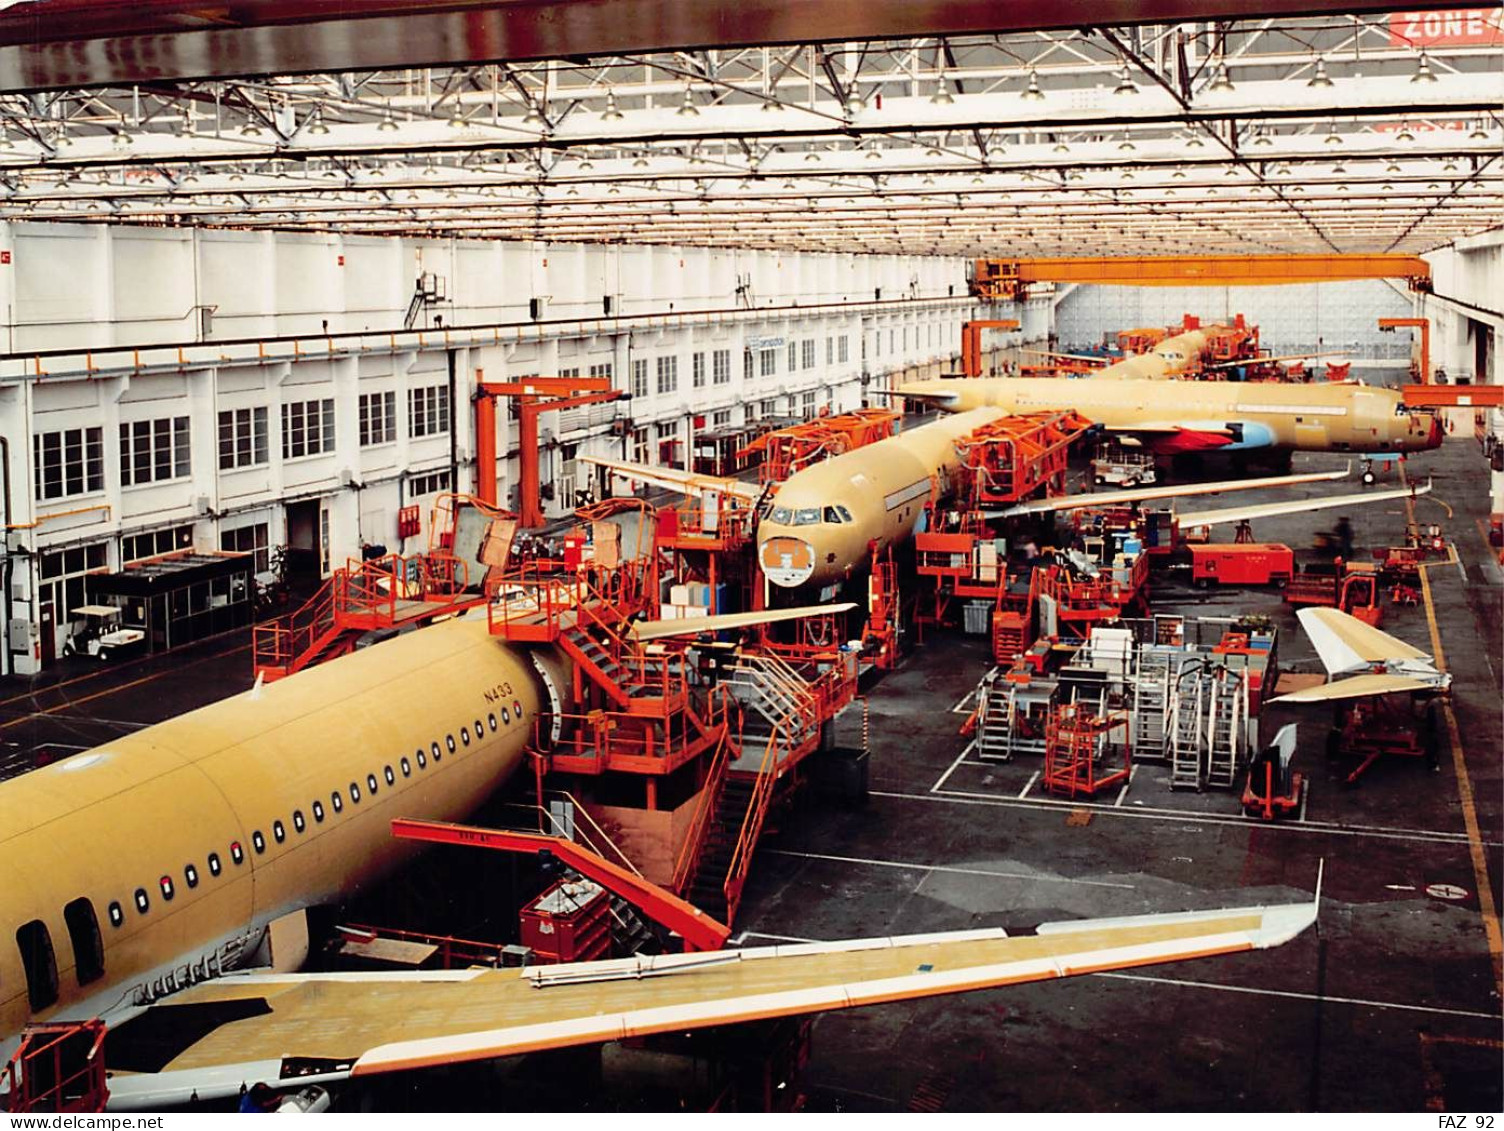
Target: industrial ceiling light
{"x": 1332, "y": 136}
{"x": 1032, "y": 93}
{"x": 1405, "y": 133}
{"x": 1392, "y": 168}
{"x": 250, "y": 129}
{"x": 1449, "y": 167}
{"x": 611, "y": 113}
{"x": 1193, "y": 141}
{"x": 942, "y": 95}
{"x": 874, "y": 154}
{"x": 687, "y": 108}
{"x": 933, "y": 152}
{"x": 640, "y": 163}
{"x": 122, "y": 140}
{"x": 1220, "y": 79}
{"x": 772, "y": 106}
{"x": 456, "y": 121}
{"x": 388, "y": 124}
{"x": 586, "y": 165}
{"x": 1339, "y": 170}
{"x": 1178, "y": 175}
{"x": 1126, "y": 85}
{"x": 1061, "y": 147}
{"x": 534, "y": 118}
{"x": 1127, "y": 146}
{"x": 976, "y": 180}
{"x": 1263, "y": 140}
{"x": 317, "y": 126}
{"x": 1478, "y": 132}
{"x": 1320, "y": 78}
{"x": 1423, "y": 69}
{"x": 812, "y": 157}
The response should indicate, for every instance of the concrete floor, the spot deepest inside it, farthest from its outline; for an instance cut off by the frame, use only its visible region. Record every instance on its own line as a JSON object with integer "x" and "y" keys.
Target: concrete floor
{"x": 1392, "y": 1005}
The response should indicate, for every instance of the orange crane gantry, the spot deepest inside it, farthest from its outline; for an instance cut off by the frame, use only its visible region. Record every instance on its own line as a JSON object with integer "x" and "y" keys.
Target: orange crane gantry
{"x": 971, "y": 341}
{"x": 1424, "y": 326}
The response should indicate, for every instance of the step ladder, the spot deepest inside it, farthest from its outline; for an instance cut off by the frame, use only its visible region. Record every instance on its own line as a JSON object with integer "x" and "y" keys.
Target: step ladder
{"x": 1227, "y": 728}
{"x": 1187, "y": 727}
{"x": 994, "y": 718}
{"x": 1151, "y": 692}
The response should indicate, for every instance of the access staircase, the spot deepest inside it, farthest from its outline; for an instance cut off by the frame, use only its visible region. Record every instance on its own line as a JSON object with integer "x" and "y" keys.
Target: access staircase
{"x": 1208, "y": 725}
{"x": 1155, "y": 669}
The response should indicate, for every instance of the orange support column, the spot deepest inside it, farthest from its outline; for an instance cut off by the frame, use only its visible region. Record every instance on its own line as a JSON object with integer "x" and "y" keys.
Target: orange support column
{"x": 485, "y": 445}
{"x": 529, "y": 505}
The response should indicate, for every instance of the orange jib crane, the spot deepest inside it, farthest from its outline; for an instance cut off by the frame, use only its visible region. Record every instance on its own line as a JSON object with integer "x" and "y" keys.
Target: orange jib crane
{"x": 1424, "y": 326}
{"x": 535, "y": 395}
{"x": 971, "y": 341}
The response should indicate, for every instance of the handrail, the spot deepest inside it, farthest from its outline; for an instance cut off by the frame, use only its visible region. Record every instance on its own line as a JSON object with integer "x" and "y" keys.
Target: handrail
{"x": 581, "y": 811}
{"x": 468, "y": 952}
{"x": 692, "y": 848}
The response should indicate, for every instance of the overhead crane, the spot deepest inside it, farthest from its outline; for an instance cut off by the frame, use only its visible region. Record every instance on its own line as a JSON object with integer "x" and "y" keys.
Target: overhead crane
{"x": 1005, "y": 280}
{"x": 971, "y": 341}
{"x": 1389, "y": 325}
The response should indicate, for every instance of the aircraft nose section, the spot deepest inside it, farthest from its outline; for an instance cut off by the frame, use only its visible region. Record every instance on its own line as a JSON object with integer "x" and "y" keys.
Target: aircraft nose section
{"x": 786, "y": 561}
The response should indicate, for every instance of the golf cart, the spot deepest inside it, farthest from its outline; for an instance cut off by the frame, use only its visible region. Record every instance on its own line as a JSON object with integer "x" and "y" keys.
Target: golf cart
{"x": 101, "y": 634}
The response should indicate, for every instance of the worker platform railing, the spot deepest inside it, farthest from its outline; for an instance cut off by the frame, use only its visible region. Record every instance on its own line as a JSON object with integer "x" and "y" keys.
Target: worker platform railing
{"x": 1084, "y": 602}
{"x": 1008, "y": 460}
{"x": 385, "y": 592}
{"x": 58, "y": 1067}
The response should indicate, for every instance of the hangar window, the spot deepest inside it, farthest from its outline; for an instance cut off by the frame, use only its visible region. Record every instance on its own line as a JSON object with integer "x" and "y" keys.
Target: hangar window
{"x": 88, "y": 947}
{"x": 449, "y": 742}
{"x": 318, "y": 812}
{"x": 167, "y": 887}
{"x": 338, "y": 801}
{"x": 464, "y": 736}
{"x": 214, "y": 864}
{"x": 40, "y": 963}
{"x": 298, "y": 821}
{"x": 237, "y": 853}
{"x": 143, "y": 902}
{"x": 116, "y": 913}
{"x": 407, "y": 768}
{"x": 279, "y": 830}
{"x": 355, "y": 793}
{"x": 258, "y": 842}
{"x": 371, "y": 783}
{"x": 190, "y": 875}
{"x": 391, "y": 776}
{"x": 491, "y": 718}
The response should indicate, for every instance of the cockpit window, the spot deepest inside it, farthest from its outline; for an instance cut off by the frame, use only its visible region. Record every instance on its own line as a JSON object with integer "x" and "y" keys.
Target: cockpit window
{"x": 845, "y": 514}
{"x": 833, "y": 515}
{"x": 807, "y": 516}
{"x": 782, "y": 516}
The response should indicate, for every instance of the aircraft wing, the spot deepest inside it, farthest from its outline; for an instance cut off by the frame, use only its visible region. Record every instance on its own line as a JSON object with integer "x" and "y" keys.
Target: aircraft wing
{"x": 1295, "y": 506}
{"x": 660, "y": 629}
{"x": 1354, "y": 687}
{"x": 1345, "y": 644}
{"x": 675, "y": 480}
{"x": 294, "y": 1029}
{"x": 1139, "y": 494}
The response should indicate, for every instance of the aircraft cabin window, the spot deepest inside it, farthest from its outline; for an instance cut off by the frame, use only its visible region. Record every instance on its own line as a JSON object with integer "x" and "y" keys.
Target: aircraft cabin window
{"x": 116, "y": 913}
{"x": 214, "y": 864}
{"x": 491, "y": 718}
{"x": 298, "y": 821}
{"x": 449, "y": 742}
{"x": 465, "y": 735}
{"x": 258, "y": 842}
{"x": 407, "y": 768}
{"x": 168, "y": 890}
{"x": 88, "y": 947}
{"x": 480, "y": 731}
{"x": 338, "y": 801}
{"x": 438, "y": 755}
{"x": 279, "y": 830}
{"x": 517, "y": 707}
{"x": 237, "y": 853}
{"x": 355, "y": 793}
{"x": 318, "y": 812}
{"x": 505, "y": 716}
{"x": 422, "y": 760}
{"x": 391, "y": 776}
{"x": 190, "y": 875}
{"x": 39, "y": 962}
{"x": 371, "y": 784}
{"x": 807, "y": 516}
{"x": 143, "y": 902}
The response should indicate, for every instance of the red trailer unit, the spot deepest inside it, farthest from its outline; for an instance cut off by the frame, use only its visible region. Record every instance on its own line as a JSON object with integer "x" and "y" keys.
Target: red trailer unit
{"x": 570, "y": 922}
{"x": 1242, "y": 563}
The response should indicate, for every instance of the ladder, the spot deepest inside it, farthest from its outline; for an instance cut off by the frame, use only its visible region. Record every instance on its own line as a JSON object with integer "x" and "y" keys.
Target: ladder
{"x": 994, "y": 718}
{"x": 1187, "y": 726}
{"x": 1151, "y": 689}
{"x": 1227, "y": 717}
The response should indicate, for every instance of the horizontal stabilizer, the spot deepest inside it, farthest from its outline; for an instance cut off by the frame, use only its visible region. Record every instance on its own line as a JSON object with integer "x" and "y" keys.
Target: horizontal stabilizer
{"x": 686, "y": 482}
{"x": 661, "y": 629}
{"x": 1354, "y": 687}
{"x": 1346, "y": 644}
{"x": 1296, "y": 506}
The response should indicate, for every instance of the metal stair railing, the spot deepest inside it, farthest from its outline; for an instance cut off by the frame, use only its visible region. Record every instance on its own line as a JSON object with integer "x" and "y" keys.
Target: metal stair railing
{"x": 286, "y": 644}
{"x": 710, "y": 800}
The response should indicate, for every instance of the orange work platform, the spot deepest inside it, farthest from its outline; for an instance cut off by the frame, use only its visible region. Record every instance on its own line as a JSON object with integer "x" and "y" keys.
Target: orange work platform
{"x": 994, "y": 280}
{"x": 787, "y": 450}
{"x": 392, "y": 592}
{"x": 1010, "y": 459}
{"x": 1082, "y": 749}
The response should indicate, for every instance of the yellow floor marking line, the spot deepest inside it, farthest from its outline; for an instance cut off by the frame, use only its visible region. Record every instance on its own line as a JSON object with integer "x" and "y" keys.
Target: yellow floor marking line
{"x": 1486, "y": 908}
